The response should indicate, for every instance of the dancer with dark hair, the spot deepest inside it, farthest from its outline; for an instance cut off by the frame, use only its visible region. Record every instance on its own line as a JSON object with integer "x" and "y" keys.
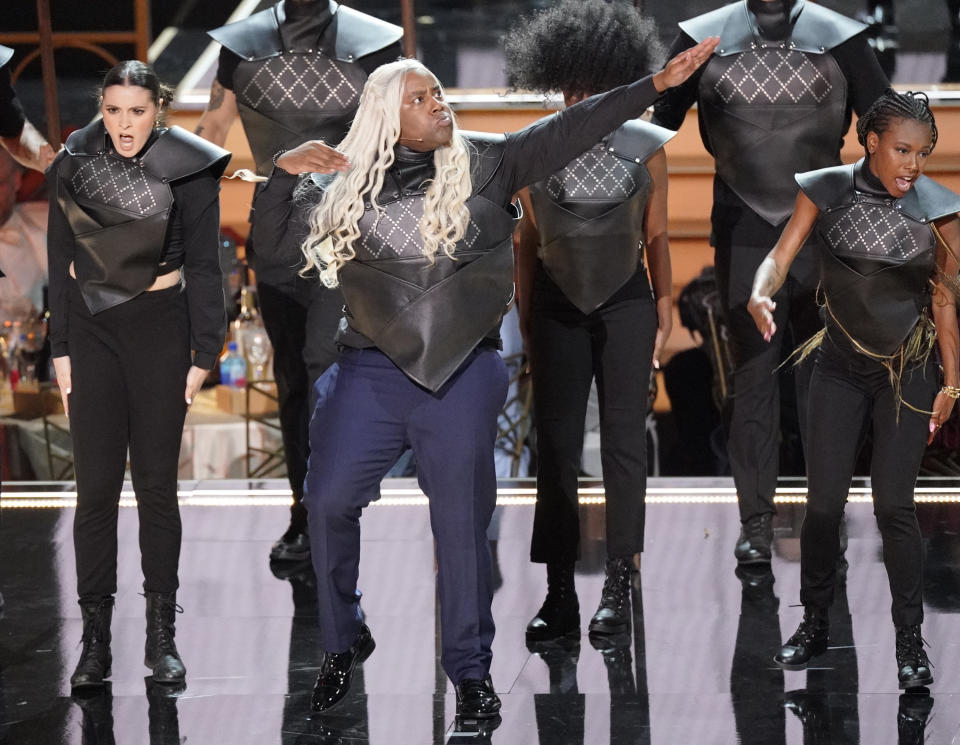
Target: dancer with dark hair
{"x": 417, "y": 230}
{"x": 591, "y": 230}
{"x": 775, "y": 100}
{"x": 136, "y": 322}
{"x": 17, "y": 134}
{"x": 890, "y": 239}
{"x": 293, "y": 72}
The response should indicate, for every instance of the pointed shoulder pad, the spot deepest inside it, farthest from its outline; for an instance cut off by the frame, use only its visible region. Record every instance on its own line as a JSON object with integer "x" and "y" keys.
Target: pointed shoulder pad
{"x": 359, "y": 34}
{"x": 486, "y": 153}
{"x": 827, "y": 187}
{"x": 933, "y": 201}
{"x": 818, "y": 29}
{"x": 730, "y": 23}
{"x": 255, "y": 37}
{"x": 5, "y": 54}
{"x": 178, "y": 153}
{"x": 637, "y": 140}
{"x": 89, "y": 140}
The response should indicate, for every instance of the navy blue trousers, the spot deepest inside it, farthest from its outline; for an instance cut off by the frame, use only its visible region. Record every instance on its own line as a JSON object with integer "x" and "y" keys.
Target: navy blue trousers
{"x": 367, "y": 413}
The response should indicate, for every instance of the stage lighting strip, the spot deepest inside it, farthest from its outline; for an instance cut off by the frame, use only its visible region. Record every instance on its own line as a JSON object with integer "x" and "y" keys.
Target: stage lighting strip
{"x": 506, "y": 496}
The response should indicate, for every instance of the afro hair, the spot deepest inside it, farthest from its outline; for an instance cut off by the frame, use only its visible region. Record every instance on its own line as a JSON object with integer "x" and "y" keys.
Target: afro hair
{"x": 583, "y": 47}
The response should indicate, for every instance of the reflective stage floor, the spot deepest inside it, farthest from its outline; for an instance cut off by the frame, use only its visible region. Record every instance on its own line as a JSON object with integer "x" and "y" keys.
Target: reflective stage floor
{"x": 696, "y": 667}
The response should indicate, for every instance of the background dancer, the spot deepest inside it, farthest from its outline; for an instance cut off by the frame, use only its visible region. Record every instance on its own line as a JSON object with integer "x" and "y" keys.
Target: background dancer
{"x": 878, "y": 222}
{"x": 135, "y": 285}
{"x": 774, "y": 100}
{"x": 294, "y": 72}
{"x": 586, "y": 305}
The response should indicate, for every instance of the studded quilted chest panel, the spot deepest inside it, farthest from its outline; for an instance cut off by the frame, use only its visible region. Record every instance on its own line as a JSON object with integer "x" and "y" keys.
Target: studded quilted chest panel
{"x": 597, "y": 175}
{"x": 771, "y": 76}
{"x": 395, "y": 232}
{"x": 866, "y": 230}
{"x": 119, "y": 183}
{"x": 297, "y": 82}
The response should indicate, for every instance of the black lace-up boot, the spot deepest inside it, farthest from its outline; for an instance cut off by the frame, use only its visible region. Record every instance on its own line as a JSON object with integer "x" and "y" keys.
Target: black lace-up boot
{"x": 160, "y": 652}
{"x": 912, "y": 662}
{"x": 613, "y": 615}
{"x": 559, "y": 616}
{"x": 754, "y": 546}
{"x": 95, "y": 659}
{"x": 809, "y": 640}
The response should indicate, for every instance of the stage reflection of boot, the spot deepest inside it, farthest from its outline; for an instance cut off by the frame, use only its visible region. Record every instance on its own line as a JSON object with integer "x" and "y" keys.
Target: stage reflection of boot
{"x": 474, "y": 731}
{"x": 96, "y": 726}
{"x": 912, "y": 716}
{"x": 813, "y": 711}
{"x": 756, "y": 583}
{"x": 560, "y": 712}
{"x": 164, "y": 722}
{"x": 615, "y": 650}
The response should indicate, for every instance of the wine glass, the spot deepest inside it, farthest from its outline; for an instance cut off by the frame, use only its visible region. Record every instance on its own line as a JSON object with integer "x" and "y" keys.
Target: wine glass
{"x": 256, "y": 347}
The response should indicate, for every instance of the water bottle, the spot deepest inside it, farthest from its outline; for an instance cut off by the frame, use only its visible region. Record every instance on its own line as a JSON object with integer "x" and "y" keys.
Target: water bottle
{"x": 233, "y": 368}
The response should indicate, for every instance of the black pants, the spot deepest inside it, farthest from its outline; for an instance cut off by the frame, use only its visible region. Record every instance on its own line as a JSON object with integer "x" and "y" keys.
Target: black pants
{"x": 301, "y": 332}
{"x": 128, "y": 370}
{"x": 614, "y": 344}
{"x": 848, "y": 393}
{"x": 753, "y": 411}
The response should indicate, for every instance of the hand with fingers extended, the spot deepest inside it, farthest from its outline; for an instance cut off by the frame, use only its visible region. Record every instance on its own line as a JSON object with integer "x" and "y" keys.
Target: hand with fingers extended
{"x": 685, "y": 64}
{"x": 313, "y": 156}
{"x": 761, "y": 309}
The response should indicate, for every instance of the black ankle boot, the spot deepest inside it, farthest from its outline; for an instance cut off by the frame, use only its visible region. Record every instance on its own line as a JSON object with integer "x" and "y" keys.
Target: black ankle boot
{"x": 912, "y": 662}
{"x": 95, "y": 659}
{"x": 809, "y": 640}
{"x": 160, "y": 652}
{"x": 559, "y": 616}
{"x": 755, "y": 544}
{"x": 613, "y": 615}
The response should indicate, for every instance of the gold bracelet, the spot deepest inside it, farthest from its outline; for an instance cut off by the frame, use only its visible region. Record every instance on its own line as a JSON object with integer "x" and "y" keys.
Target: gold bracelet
{"x": 951, "y": 391}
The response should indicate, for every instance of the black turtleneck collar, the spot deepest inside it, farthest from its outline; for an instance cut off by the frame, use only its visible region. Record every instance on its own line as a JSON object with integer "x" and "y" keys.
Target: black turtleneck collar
{"x": 409, "y": 155}
{"x": 774, "y": 18}
{"x": 303, "y": 24}
{"x": 865, "y": 181}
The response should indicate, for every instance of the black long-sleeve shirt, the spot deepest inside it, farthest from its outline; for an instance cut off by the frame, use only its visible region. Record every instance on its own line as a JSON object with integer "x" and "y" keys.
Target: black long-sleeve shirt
{"x": 529, "y": 155}
{"x": 11, "y": 114}
{"x": 193, "y": 234}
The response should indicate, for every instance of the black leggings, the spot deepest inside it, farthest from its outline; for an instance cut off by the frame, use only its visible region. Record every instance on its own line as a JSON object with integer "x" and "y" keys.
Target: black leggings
{"x": 848, "y": 393}
{"x": 614, "y": 344}
{"x": 129, "y": 369}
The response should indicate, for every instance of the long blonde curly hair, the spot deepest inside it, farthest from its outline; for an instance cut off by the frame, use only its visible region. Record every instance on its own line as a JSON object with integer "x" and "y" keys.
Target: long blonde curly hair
{"x": 369, "y": 146}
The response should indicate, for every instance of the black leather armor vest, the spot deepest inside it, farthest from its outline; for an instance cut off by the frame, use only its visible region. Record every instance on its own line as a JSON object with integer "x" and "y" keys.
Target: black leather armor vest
{"x": 287, "y": 96}
{"x": 119, "y": 208}
{"x": 6, "y": 53}
{"x": 590, "y": 215}
{"x": 772, "y": 108}
{"x": 428, "y": 316}
{"x": 878, "y": 252}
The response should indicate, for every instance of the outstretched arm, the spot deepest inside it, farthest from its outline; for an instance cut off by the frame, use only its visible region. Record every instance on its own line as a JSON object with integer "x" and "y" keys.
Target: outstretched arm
{"x": 30, "y": 148}
{"x": 945, "y": 319}
{"x": 772, "y": 271}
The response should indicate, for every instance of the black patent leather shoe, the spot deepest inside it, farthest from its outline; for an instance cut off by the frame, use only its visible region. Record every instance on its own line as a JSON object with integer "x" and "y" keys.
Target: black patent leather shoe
{"x": 294, "y": 545}
{"x": 754, "y": 546}
{"x": 912, "y": 661}
{"x": 810, "y": 639}
{"x": 476, "y": 699}
{"x": 333, "y": 682}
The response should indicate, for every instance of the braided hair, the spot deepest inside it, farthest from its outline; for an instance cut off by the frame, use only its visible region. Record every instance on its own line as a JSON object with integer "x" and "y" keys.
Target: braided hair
{"x": 911, "y": 105}
{"x": 583, "y": 47}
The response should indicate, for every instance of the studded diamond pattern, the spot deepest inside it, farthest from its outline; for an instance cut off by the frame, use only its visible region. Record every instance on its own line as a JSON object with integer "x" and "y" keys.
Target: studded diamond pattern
{"x": 117, "y": 183}
{"x": 592, "y": 175}
{"x": 772, "y": 76}
{"x": 303, "y": 81}
{"x": 872, "y": 230}
{"x": 397, "y": 232}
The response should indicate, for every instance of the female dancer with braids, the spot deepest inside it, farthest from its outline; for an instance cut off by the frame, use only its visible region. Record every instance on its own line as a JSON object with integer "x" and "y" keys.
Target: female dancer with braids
{"x": 890, "y": 240}
{"x": 136, "y": 321}
{"x": 417, "y": 232}
{"x": 586, "y": 306}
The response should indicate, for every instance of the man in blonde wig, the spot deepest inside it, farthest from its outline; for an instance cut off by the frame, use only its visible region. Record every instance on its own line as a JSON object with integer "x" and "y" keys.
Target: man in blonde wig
{"x": 413, "y": 221}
